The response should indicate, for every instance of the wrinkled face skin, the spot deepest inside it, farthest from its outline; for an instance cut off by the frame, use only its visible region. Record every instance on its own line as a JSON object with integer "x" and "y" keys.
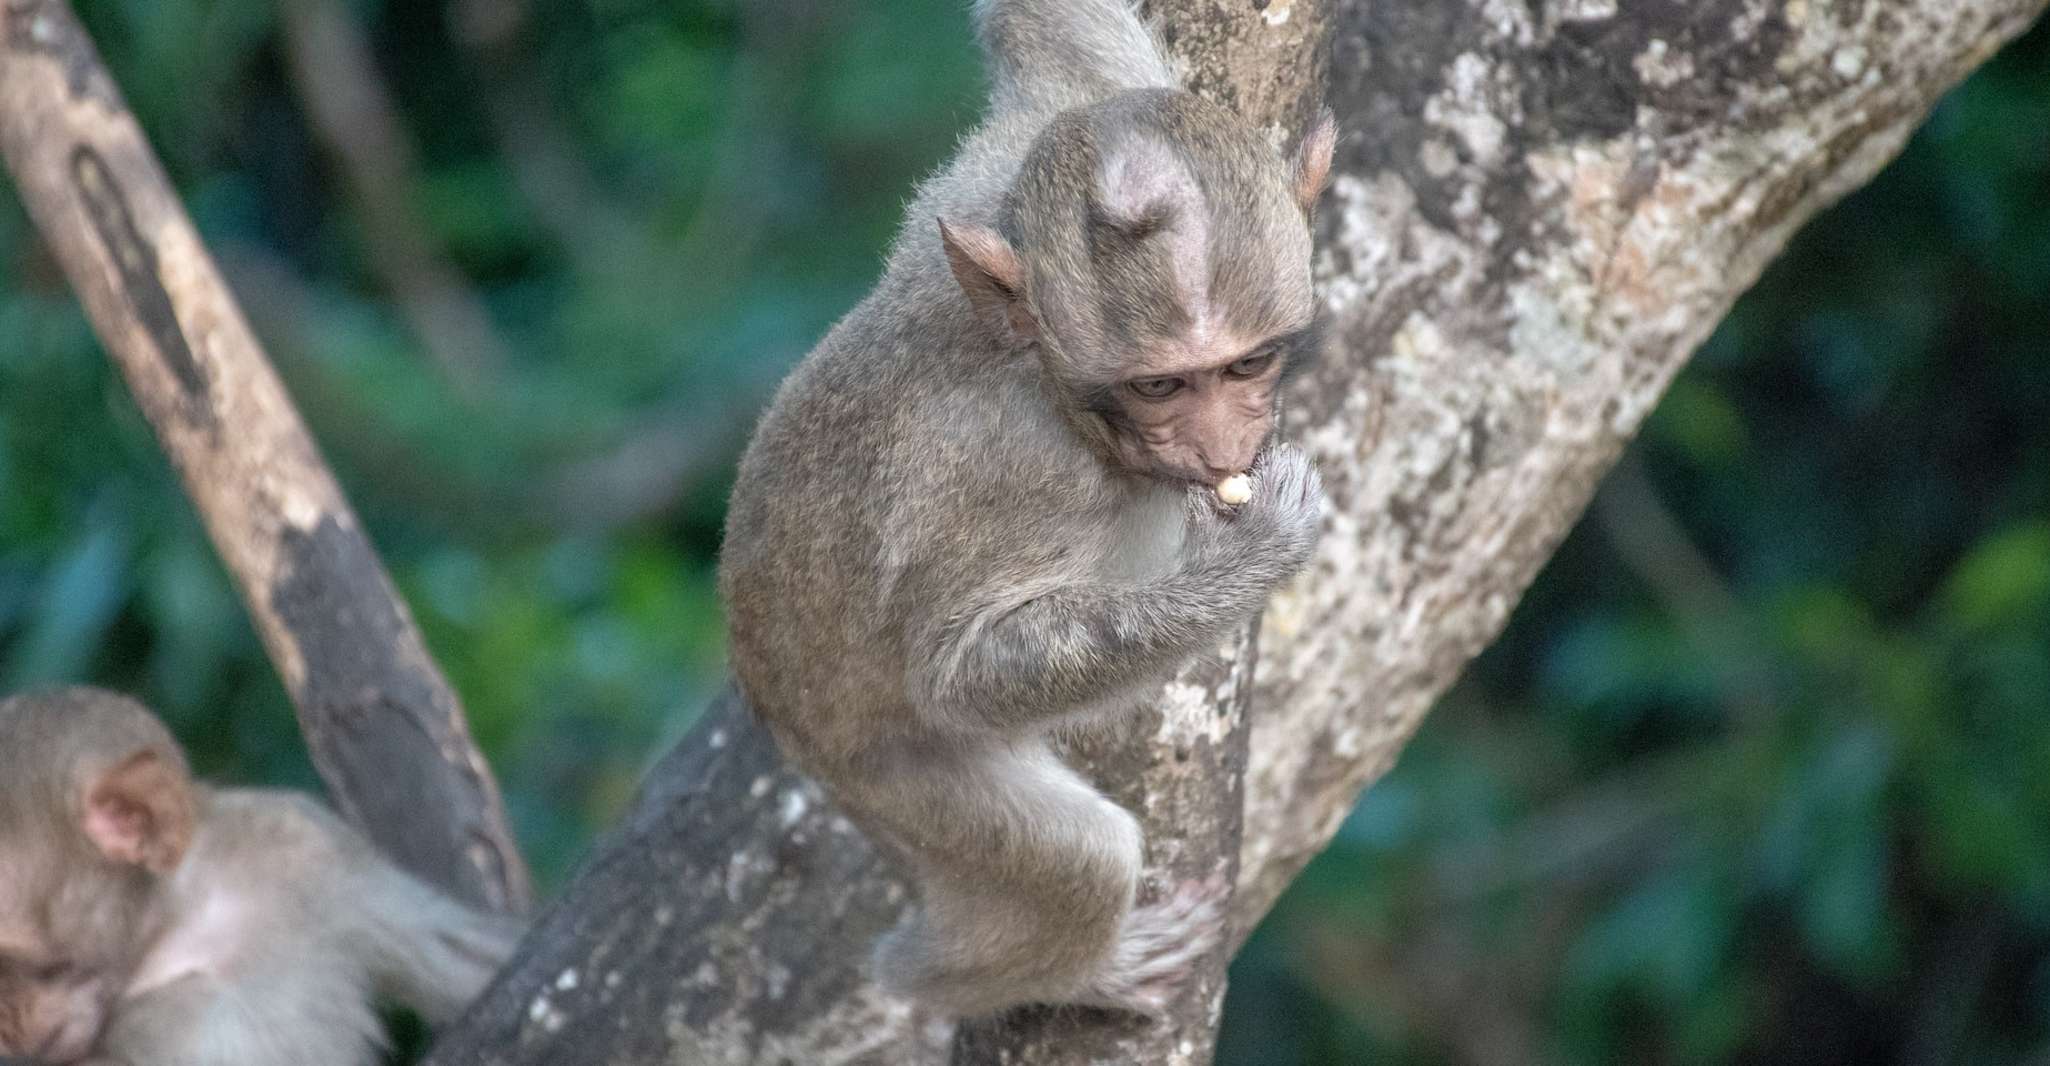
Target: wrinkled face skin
{"x": 1189, "y": 316}
{"x": 1199, "y": 409}
{"x": 67, "y": 943}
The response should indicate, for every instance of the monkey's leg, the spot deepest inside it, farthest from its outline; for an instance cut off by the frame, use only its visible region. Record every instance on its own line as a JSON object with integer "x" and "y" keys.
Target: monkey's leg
{"x": 1027, "y": 877}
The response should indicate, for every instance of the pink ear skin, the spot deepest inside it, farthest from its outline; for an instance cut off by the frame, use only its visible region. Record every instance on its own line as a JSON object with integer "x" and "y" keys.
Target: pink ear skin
{"x": 991, "y": 274}
{"x": 1313, "y": 159}
{"x": 141, "y": 812}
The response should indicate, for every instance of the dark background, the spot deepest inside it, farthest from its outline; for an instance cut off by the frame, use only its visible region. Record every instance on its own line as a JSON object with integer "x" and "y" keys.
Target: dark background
{"x": 1759, "y": 773}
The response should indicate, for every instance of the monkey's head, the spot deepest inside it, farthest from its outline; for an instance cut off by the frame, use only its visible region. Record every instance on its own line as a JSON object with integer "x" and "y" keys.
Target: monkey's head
{"x": 1155, "y": 252}
{"x": 96, "y": 807}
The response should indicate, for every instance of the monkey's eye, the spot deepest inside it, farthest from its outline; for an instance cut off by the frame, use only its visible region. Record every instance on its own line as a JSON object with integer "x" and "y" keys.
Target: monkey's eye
{"x": 1252, "y": 366}
{"x": 1155, "y": 388}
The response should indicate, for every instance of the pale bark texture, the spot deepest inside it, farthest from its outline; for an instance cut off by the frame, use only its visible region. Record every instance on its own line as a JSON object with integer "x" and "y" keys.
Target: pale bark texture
{"x": 1539, "y": 211}
{"x": 384, "y": 727}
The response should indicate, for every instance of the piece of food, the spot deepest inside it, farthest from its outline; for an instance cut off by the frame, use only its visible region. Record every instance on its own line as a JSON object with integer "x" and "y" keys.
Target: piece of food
{"x": 1235, "y": 489}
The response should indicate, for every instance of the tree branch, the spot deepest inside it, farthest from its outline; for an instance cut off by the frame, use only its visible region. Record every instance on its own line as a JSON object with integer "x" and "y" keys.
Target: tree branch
{"x": 1539, "y": 214}
{"x": 384, "y": 727}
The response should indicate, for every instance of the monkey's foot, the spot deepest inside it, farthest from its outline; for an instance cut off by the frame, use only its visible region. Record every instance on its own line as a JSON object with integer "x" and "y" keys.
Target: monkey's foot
{"x": 1160, "y": 946}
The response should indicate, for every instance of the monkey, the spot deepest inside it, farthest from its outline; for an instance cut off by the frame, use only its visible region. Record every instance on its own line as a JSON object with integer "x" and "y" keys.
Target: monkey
{"x": 149, "y": 920}
{"x": 991, "y": 508}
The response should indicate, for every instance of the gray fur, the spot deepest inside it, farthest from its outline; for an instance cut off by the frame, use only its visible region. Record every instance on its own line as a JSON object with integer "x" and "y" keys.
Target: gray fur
{"x": 934, "y": 558}
{"x": 327, "y": 928}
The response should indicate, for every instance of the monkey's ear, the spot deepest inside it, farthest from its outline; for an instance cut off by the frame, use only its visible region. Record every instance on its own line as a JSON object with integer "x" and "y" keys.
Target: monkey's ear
{"x": 991, "y": 274}
{"x": 141, "y": 812}
{"x": 1313, "y": 159}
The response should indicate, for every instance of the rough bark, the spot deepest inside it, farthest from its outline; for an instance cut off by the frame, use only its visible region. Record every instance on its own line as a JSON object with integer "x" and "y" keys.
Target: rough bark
{"x": 384, "y": 727}
{"x": 1539, "y": 211}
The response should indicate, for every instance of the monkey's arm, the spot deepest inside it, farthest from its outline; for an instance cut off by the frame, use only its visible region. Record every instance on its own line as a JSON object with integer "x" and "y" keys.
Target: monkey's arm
{"x": 419, "y": 947}
{"x": 425, "y": 950}
{"x": 1086, "y": 640}
{"x": 1075, "y": 646}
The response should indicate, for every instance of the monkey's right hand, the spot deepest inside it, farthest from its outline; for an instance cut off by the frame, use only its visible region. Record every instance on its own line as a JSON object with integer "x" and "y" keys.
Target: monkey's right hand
{"x": 1271, "y": 535}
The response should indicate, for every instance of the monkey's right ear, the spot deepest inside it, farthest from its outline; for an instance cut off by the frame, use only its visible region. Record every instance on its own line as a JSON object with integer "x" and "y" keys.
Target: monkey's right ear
{"x": 141, "y": 812}
{"x": 1312, "y": 166}
{"x": 993, "y": 277}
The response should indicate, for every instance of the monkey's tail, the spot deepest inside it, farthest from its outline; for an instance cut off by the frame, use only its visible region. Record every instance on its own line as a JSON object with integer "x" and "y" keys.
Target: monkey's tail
{"x": 431, "y": 953}
{"x": 1051, "y": 54}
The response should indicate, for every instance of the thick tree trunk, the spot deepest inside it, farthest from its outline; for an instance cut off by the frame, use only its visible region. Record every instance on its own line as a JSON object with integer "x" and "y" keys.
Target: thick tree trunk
{"x": 384, "y": 727}
{"x": 1539, "y": 211}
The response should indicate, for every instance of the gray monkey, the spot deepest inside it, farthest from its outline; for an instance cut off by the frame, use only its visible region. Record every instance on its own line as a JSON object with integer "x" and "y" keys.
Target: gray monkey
{"x": 986, "y": 506}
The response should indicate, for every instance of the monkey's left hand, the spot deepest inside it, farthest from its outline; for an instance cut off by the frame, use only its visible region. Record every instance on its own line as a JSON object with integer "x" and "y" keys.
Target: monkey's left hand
{"x": 1273, "y": 533}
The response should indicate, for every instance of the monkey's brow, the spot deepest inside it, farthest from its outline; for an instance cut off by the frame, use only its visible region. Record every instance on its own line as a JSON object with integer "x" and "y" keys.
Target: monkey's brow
{"x": 1291, "y": 347}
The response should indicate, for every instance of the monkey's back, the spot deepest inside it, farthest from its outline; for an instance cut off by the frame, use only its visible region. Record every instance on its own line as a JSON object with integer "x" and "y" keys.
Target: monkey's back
{"x": 802, "y": 532}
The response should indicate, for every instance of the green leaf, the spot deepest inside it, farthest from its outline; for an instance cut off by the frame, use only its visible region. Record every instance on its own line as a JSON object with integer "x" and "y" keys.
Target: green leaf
{"x": 2005, "y": 575}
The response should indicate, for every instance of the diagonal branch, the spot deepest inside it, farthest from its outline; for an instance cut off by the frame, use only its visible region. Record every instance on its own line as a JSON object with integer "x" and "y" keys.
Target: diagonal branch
{"x": 385, "y": 729}
{"x": 1540, "y": 213}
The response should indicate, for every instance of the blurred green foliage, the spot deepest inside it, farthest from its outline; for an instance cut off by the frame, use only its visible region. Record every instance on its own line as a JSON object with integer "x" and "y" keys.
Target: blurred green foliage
{"x": 1759, "y": 773}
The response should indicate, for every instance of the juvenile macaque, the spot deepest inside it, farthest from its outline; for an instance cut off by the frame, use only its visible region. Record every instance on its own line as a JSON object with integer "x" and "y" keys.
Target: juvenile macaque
{"x": 146, "y": 920}
{"x": 993, "y": 503}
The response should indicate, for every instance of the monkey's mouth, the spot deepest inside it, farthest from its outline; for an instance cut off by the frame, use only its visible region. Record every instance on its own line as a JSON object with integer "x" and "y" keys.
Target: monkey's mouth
{"x": 1173, "y": 476}
{"x": 1184, "y": 477}
{"x": 1144, "y": 462}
